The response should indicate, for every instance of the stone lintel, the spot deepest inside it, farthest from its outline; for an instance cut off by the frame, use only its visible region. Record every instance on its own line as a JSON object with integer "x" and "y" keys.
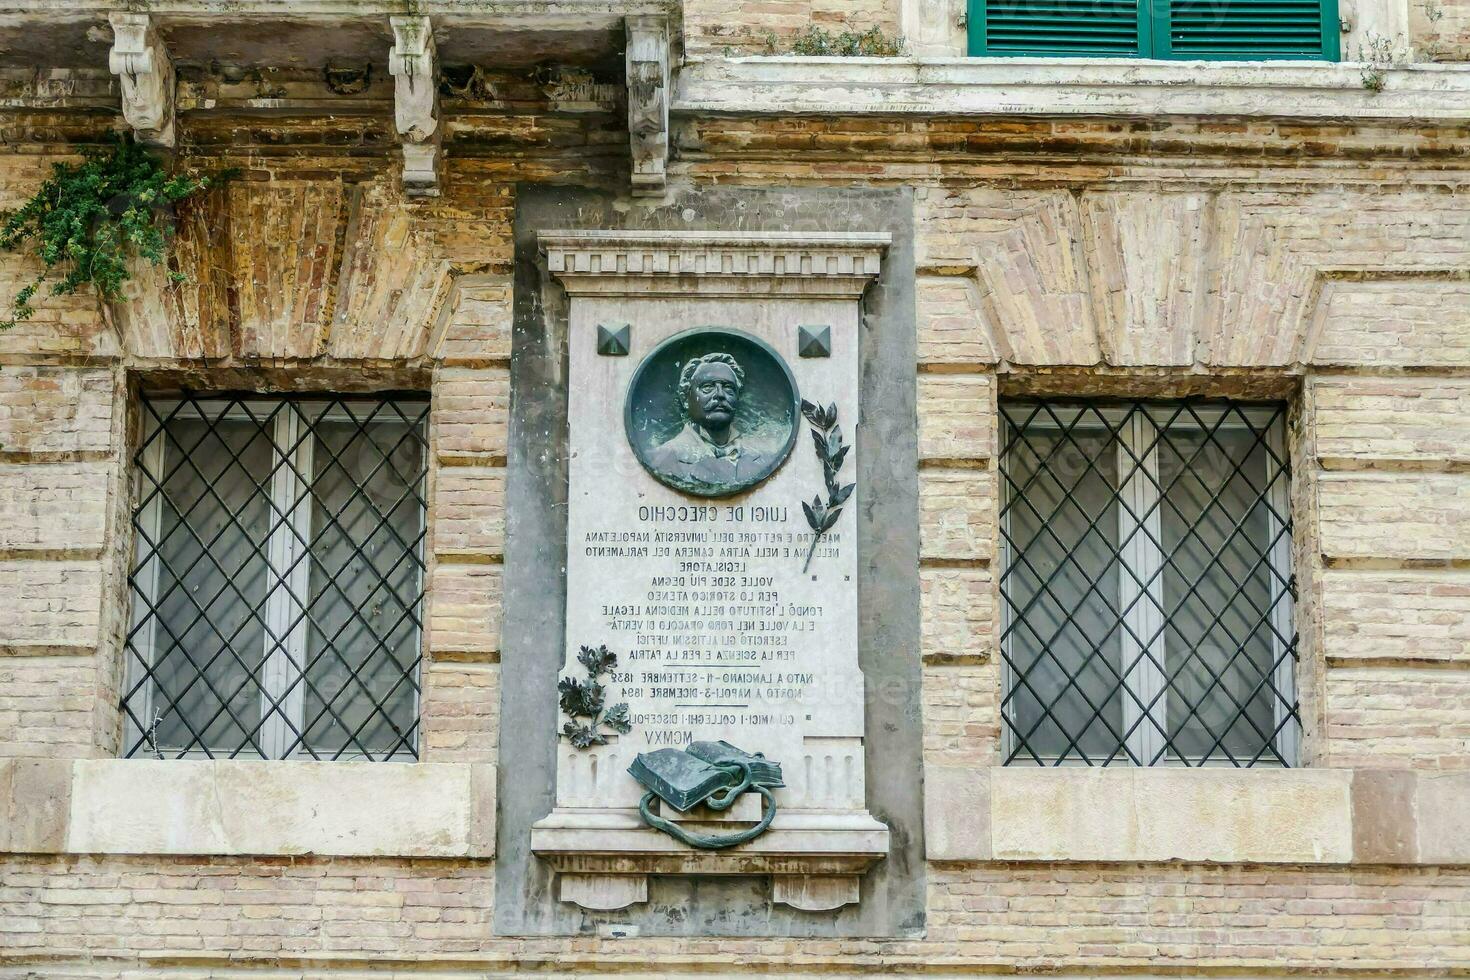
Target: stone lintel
{"x": 531, "y": 14}
{"x": 773, "y": 86}
{"x": 714, "y": 263}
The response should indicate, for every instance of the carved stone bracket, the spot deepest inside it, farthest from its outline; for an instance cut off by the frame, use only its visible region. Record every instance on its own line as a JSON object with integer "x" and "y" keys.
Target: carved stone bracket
{"x": 414, "y": 64}
{"x": 648, "y": 102}
{"x": 143, "y": 66}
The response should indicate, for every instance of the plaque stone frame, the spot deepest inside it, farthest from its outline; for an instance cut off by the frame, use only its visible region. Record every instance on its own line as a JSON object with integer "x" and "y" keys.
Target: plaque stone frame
{"x": 767, "y": 284}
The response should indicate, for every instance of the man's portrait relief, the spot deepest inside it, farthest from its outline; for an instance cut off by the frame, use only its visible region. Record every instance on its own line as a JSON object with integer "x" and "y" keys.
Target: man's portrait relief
{"x": 712, "y": 412}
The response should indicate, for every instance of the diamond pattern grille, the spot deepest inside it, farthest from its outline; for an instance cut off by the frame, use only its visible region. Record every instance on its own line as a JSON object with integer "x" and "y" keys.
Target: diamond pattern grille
{"x": 1147, "y": 588}
{"x": 277, "y": 581}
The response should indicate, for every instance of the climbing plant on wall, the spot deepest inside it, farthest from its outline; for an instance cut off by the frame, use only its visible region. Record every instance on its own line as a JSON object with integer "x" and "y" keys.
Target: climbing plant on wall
{"x": 90, "y": 218}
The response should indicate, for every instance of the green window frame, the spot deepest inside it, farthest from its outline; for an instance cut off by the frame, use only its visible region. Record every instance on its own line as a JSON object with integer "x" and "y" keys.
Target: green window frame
{"x": 1176, "y": 30}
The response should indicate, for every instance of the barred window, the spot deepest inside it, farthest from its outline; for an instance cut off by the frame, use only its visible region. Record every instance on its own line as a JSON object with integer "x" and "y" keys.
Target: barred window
{"x": 1146, "y": 584}
{"x": 277, "y": 579}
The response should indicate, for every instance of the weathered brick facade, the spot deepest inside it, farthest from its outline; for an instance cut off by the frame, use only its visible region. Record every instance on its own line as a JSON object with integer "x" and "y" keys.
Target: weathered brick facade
{"x": 1320, "y": 259}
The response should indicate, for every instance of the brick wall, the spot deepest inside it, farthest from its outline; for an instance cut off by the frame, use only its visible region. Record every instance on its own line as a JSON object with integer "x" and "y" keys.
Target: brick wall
{"x": 1440, "y": 29}
{"x": 1321, "y": 263}
{"x": 47, "y": 705}
{"x": 1193, "y": 917}
{"x": 1392, "y": 502}
{"x": 260, "y": 908}
{"x": 471, "y": 413}
{"x": 56, "y": 412}
{"x": 60, "y": 430}
{"x": 768, "y": 26}
{"x": 1031, "y": 917}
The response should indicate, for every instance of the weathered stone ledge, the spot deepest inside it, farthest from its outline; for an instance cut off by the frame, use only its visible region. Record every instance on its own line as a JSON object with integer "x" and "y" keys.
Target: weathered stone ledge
{"x": 1226, "y": 816}
{"x": 235, "y": 808}
{"x": 274, "y": 9}
{"x": 768, "y": 86}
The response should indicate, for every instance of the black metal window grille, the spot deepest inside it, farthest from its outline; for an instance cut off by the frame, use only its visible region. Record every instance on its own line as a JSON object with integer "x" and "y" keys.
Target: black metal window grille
{"x": 1146, "y": 584}
{"x": 277, "y": 580}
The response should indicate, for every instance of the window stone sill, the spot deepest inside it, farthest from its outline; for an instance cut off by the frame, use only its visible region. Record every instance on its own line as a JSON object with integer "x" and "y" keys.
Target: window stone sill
{"x": 1231, "y": 816}
{"x": 234, "y": 808}
{"x": 1068, "y": 87}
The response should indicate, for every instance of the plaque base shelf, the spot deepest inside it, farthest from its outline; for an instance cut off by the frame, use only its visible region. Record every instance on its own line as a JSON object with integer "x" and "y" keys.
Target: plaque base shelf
{"x": 604, "y": 857}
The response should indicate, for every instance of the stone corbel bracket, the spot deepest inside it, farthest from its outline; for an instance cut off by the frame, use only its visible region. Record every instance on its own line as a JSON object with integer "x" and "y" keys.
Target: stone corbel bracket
{"x": 413, "y": 62}
{"x": 143, "y": 66}
{"x": 648, "y": 102}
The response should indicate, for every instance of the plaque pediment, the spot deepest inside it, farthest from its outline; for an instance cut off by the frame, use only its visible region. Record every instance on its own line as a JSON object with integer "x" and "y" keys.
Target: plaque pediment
{"x": 714, "y": 263}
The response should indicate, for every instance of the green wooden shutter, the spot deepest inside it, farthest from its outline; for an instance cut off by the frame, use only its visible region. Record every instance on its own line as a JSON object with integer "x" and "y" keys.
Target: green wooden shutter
{"x": 1246, "y": 30}
{"x": 1242, "y": 30}
{"x": 1058, "y": 28}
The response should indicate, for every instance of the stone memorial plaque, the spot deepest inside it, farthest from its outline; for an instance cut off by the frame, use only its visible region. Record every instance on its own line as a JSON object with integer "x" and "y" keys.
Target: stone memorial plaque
{"x": 712, "y": 545}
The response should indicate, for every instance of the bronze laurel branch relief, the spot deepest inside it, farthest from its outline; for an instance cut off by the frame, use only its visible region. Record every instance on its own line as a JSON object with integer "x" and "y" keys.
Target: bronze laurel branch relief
{"x": 827, "y": 435}
{"x": 585, "y": 702}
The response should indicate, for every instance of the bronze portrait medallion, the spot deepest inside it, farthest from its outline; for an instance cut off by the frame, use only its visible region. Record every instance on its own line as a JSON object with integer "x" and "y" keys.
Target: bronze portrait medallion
{"x": 712, "y": 411}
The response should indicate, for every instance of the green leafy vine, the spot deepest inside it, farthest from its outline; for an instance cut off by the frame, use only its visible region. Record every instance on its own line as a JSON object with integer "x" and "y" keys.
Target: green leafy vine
{"x": 89, "y": 218}
{"x": 588, "y": 700}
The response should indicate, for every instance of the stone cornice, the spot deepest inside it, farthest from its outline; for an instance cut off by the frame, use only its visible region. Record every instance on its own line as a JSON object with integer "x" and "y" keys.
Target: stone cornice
{"x": 773, "y": 86}
{"x": 453, "y": 11}
{"x": 714, "y": 263}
